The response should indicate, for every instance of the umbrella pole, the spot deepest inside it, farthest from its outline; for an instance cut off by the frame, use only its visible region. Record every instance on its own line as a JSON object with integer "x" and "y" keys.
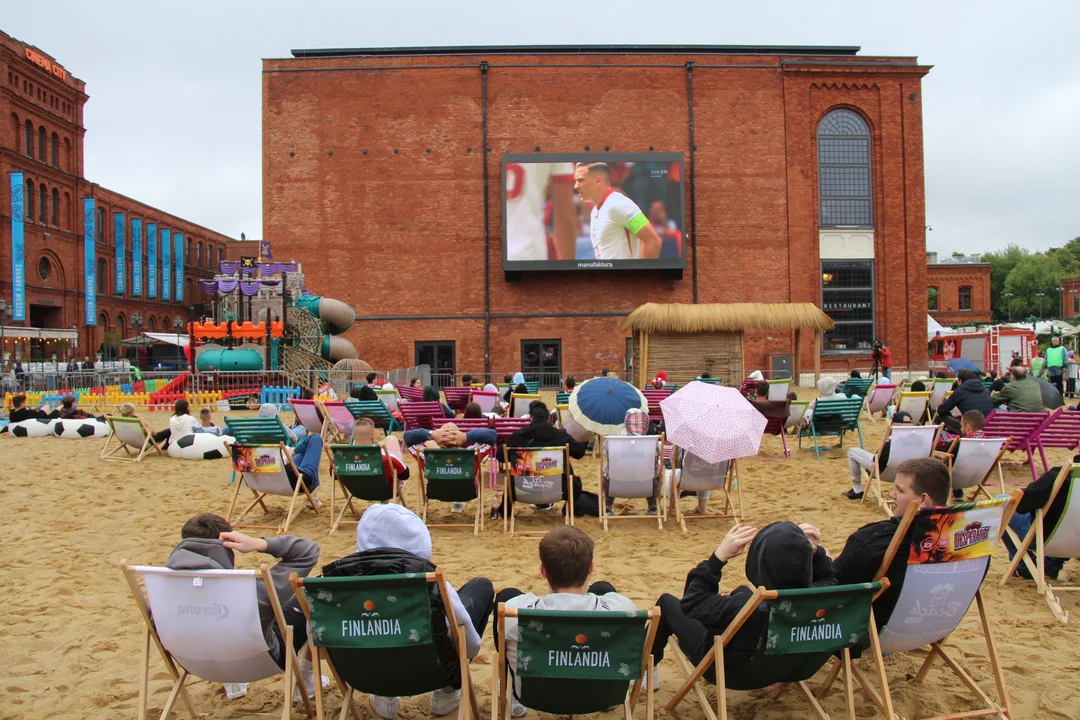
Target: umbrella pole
{"x": 796, "y": 364}
{"x": 643, "y": 371}
{"x": 817, "y": 356}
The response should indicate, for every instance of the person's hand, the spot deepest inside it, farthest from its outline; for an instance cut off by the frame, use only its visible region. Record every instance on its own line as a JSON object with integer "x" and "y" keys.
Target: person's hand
{"x": 736, "y": 540}
{"x": 812, "y": 533}
{"x": 240, "y": 542}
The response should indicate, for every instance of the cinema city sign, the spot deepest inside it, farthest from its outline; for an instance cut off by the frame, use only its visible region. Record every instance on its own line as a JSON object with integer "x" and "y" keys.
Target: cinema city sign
{"x": 39, "y": 59}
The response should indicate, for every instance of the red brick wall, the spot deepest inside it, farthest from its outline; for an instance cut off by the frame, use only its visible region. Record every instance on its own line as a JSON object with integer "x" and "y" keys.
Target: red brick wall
{"x": 401, "y": 234}
{"x": 948, "y": 278}
{"x": 1071, "y": 295}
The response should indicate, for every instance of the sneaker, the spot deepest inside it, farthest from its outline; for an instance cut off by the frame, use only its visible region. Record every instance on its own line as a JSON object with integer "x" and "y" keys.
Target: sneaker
{"x": 457, "y": 507}
{"x": 650, "y": 511}
{"x": 496, "y": 513}
{"x": 309, "y": 683}
{"x": 235, "y": 691}
{"x": 958, "y": 495}
{"x": 517, "y": 709}
{"x": 314, "y": 503}
{"x": 610, "y": 511}
{"x": 384, "y": 707}
{"x": 852, "y": 495}
{"x": 445, "y": 701}
{"x": 547, "y": 506}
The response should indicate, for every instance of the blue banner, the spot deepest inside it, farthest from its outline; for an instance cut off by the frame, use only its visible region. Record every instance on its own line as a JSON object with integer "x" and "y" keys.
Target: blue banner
{"x": 166, "y": 261}
{"x": 89, "y": 264}
{"x": 136, "y": 257}
{"x": 151, "y": 260}
{"x": 178, "y": 243}
{"x": 121, "y": 257}
{"x": 18, "y": 267}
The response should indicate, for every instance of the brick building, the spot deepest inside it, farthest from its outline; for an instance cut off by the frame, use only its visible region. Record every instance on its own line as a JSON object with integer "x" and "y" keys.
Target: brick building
{"x": 375, "y": 176}
{"x": 958, "y": 292}
{"x": 41, "y": 147}
{"x": 1070, "y": 299}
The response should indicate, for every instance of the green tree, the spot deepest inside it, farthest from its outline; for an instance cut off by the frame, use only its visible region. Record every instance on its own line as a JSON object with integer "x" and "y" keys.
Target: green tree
{"x": 1031, "y": 275}
{"x": 1068, "y": 257}
{"x": 1003, "y": 261}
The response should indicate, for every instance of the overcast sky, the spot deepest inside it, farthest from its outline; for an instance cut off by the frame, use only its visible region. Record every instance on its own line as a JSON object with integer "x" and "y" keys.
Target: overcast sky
{"x": 174, "y": 116}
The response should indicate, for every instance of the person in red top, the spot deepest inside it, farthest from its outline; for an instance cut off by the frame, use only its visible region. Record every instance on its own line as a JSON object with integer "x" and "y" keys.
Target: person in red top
{"x": 884, "y": 358}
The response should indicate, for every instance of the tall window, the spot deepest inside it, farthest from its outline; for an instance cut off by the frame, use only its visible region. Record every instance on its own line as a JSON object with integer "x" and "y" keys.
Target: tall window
{"x": 847, "y": 296}
{"x": 41, "y": 144}
{"x": 932, "y": 294}
{"x": 220, "y": 255}
{"x": 69, "y": 161}
{"x": 542, "y": 360}
{"x": 55, "y": 151}
{"x": 844, "y": 170}
{"x": 151, "y": 324}
{"x": 55, "y": 208}
{"x": 43, "y": 204}
{"x": 29, "y": 195}
{"x": 965, "y": 297}
{"x": 101, "y": 276}
{"x": 101, "y": 217}
{"x": 198, "y": 254}
{"x": 29, "y": 133}
{"x": 67, "y": 210}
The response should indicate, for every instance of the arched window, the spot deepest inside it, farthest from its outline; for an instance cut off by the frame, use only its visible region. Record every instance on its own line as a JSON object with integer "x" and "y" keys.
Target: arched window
{"x": 28, "y": 211}
{"x": 55, "y": 154}
{"x": 964, "y": 299}
{"x": 101, "y": 284}
{"x": 844, "y": 170}
{"x": 151, "y": 324}
{"x": 41, "y": 144}
{"x": 43, "y": 202}
{"x": 932, "y": 295}
{"x": 198, "y": 255}
{"x": 55, "y": 208}
{"x": 29, "y": 138}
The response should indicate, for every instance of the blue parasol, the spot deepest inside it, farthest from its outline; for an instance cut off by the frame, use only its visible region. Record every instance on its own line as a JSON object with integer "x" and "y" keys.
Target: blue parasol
{"x": 599, "y": 405}
{"x": 958, "y": 363}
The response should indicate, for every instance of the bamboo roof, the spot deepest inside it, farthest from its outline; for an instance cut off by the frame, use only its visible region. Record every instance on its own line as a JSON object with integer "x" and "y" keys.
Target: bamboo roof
{"x": 719, "y": 317}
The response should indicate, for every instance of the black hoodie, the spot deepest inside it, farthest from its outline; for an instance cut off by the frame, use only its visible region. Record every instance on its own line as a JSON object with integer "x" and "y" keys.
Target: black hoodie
{"x": 780, "y": 558}
{"x": 544, "y": 434}
{"x": 971, "y": 395}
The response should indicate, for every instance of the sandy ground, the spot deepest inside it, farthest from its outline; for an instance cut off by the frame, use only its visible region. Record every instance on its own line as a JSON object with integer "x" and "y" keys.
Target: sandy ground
{"x": 71, "y": 631}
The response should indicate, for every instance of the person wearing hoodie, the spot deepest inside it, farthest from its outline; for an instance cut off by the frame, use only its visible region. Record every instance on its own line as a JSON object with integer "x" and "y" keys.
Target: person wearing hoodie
{"x": 969, "y": 395}
{"x": 208, "y": 542}
{"x": 431, "y": 394}
{"x": 181, "y": 423}
{"x": 270, "y": 410}
{"x": 827, "y": 389}
{"x": 782, "y": 556}
{"x": 517, "y": 386}
{"x": 660, "y": 380}
{"x": 391, "y": 540}
{"x": 541, "y": 433}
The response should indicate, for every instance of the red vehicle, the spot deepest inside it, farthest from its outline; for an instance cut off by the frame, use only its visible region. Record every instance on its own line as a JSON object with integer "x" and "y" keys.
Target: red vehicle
{"x": 990, "y": 349}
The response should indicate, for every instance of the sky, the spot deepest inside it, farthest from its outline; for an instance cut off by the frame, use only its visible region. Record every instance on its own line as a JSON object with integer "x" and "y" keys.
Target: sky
{"x": 174, "y": 116}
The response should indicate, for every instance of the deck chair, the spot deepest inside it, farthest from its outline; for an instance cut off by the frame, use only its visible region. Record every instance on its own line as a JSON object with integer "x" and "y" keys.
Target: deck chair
{"x": 879, "y": 399}
{"x": 184, "y": 614}
{"x": 778, "y": 389}
{"x": 363, "y": 475}
{"x": 1062, "y": 430}
{"x": 915, "y": 403}
{"x": 805, "y": 629}
{"x": 972, "y": 461}
{"x": 519, "y": 403}
{"x": 1022, "y": 428}
{"x": 562, "y": 398}
{"x": 258, "y": 431}
{"x": 796, "y": 413}
{"x": 551, "y": 673}
{"x": 133, "y": 436}
{"x": 487, "y": 400}
{"x": 856, "y": 386}
{"x": 1063, "y": 540}
{"x": 457, "y": 397}
{"x": 776, "y": 414}
{"x": 389, "y": 398}
{"x": 532, "y": 386}
{"x": 634, "y": 465}
{"x": 692, "y": 474}
{"x": 339, "y": 421}
{"x": 463, "y": 424}
{"x": 309, "y": 415}
{"x": 452, "y": 475}
{"x": 937, "y": 395}
{"x": 505, "y": 427}
{"x": 265, "y": 470}
{"x": 374, "y": 409}
{"x": 375, "y": 633}
{"x": 708, "y": 381}
{"x": 905, "y": 443}
{"x": 748, "y": 385}
{"x": 536, "y": 476}
{"x": 418, "y": 415}
{"x": 410, "y": 394}
{"x": 951, "y": 548}
{"x": 833, "y": 417}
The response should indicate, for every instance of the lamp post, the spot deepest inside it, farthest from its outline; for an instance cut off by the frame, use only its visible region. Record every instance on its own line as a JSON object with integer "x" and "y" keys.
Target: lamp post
{"x": 1040, "y": 296}
{"x": 1009, "y": 295}
{"x": 1061, "y": 306}
{"x": 136, "y": 324}
{"x": 5, "y": 313}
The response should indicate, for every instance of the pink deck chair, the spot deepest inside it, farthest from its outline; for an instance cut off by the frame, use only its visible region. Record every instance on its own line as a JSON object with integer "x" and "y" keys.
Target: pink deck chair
{"x": 487, "y": 400}
{"x": 1024, "y": 429}
{"x": 340, "y": 419}
{"x": 411, "y": 394}
{"x": 308, "y": 415}
{"x": 1062, "y": 430}
{"x": 420, "y": 414}
{"x": 880, "y": 398}
{"x": 457, "y": 397}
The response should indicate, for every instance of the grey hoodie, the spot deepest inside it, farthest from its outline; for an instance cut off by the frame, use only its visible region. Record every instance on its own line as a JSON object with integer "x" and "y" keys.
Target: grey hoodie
{"x": 393, "y": 526}
{"x": 297, "y": 555}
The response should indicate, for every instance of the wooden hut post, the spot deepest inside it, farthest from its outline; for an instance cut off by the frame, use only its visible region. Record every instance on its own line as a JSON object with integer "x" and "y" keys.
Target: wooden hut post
{"x": 643, "y": 371}
{"x": 817, "y": 356}
{"x": 796, "y": 365}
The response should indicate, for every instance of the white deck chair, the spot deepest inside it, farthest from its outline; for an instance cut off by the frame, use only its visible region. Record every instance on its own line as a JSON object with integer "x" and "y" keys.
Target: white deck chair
{"x": 389, "y": 398}
{"x": 635, "y": 469}
{"x": 537, "y": 476}
{"x": 971, "y": 461}
{"x": 796, "y": 413}
{"x": 915, "y": 403}
{"x": 692, "y": 474}
{"x": 937, "y": 395}
{"x": 905, "y": 443}
{"x": 132, "y": 435}
{"x": 778, "y": 389}
{"x": 940, "y": 584}
{"x": 264, "y": 469}
{"x": 879, "y": 399}
{"x": 205, "y": 624}
{"x": 308, "y": 414}
{"x": 487, "y": 401}
{"x": 1063, "y": 540}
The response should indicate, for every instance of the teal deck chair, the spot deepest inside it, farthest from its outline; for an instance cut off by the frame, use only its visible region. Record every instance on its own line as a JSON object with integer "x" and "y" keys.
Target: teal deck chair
{"x": 571, "y": 663}
{"x": 532, "y": 387}
{"x": 857, "y": 386}
{"x": 562, "y": 398}
{"x": 805, "y": 628}
{"x": 833, "y": 417}
{"x": 452, "y": 475}
{"x": 709, "y": 381}
{"x": 375, "y": 633}
{"x": 374, "y": 409}
{"x": 362, "y": 475}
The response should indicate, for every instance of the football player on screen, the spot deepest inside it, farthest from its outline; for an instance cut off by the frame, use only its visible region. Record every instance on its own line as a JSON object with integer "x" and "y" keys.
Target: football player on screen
{"x": 620, "y": 231}
{"x": 528, "y": 188}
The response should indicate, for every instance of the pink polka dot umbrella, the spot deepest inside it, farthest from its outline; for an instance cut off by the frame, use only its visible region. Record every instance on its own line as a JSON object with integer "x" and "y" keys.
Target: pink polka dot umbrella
{"x": 715, "y": 423}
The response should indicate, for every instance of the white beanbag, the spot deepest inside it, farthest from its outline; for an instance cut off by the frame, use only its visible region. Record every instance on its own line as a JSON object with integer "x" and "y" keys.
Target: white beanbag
{"x": 34, "y": 427}
{"x": 200, "y": 446}
{"x": 78, "y": 429}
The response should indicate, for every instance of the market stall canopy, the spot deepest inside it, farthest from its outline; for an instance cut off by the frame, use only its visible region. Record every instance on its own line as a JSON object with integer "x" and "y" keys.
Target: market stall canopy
{"x": 150, "y": 338}
{"x": 726, "y": 317}
{"x": 1046, "y": 327}
{"x": 19, "y": 332}
{"x": 933, "y": 328}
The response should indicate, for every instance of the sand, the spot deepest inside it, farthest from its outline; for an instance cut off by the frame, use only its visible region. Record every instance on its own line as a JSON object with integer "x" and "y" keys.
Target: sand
{"x": 71, "y": 631}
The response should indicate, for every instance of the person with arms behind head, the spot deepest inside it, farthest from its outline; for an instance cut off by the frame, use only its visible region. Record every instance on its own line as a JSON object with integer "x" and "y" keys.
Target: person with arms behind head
{"x": 619, "y": 230}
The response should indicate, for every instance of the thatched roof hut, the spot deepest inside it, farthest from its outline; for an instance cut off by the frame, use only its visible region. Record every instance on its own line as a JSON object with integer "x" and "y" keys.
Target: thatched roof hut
{"x": 686, "y": 340}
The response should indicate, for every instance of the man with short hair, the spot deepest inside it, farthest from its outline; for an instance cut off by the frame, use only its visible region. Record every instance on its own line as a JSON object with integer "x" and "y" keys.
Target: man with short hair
{"x": 466, "y": 380}
{"x": 371, "y": 378}
{"x": 1022, "y": 394}
{"x": 1057, "y": 357}
{"x": 619, "y": 230}
{"x": 20, "y": 412}
{"x": 566, "y": 562}
{"x": 924, "y": 481}
{"x": 570, "y": 383}
{"x": 969, "y": 395}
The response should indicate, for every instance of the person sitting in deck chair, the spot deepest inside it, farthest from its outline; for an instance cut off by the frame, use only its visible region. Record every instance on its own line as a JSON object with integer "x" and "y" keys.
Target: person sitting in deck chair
{"x": 206, "y": 424}
{"x": 431, "y": 394}
{"x": 782, "y": 556}
{"x": 541, "y": 433}
{"x": 208, "y": 542}
{"x": 306, "y": 455}
{"x": 920, "y": 480}
{"x": 392, "y": 540}
{"x": 970, "y": 395}
{"x": 1035, "y": 496}
{"x": 364, "y": 434}
{"x": 827, "y": 389}
{"x": 566, "y": 562}
{"x": 270, "y": 410}
{"x": 1022, "y": 394}
{"x": 636, "y": 422}
{"x": 859, "y": 459}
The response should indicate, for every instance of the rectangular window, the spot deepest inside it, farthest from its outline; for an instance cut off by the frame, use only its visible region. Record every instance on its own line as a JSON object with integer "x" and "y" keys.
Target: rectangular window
{"x": 541, "y": 361}
{"x": 1076, "y": 304}
{"x": 439, "y": 356}
{"x": 965, "y": 298}
{"x": 932, "y": 299}
{"x": 847, "y": 296}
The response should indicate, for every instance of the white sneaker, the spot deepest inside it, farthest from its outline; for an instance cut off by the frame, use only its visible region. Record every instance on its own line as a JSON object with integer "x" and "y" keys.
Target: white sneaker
{"x": 308, "y": 673}
{"x": 517, "y": 709}
{"x": 384, "y": 707}
{"x": 457, "y": 507}
{"x": 445, "y": 701}
{"x": 235, "y": 691}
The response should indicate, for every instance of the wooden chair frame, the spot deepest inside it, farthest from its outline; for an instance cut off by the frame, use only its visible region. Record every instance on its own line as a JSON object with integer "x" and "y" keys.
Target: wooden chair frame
{"x": 336, "y": 520}
{"x": 509, "y": 502}
{"x": 731, "y": 510}
{"x": 478, "y": 521}
{"x": 661, "y": 500}
{"x": 293, "y": 509}
{"x": 949, "y": 458}
{"x": 875, "y": 470}
{"x": 148, "y": 444}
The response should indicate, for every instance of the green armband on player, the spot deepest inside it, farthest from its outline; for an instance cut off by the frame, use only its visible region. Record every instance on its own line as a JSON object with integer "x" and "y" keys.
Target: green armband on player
{"x": 636, "y": 223}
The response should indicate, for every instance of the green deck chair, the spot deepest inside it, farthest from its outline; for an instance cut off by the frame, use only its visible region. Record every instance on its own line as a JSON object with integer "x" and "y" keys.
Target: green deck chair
{"x": 857, "y": 386}
{"x": 257, "y": 431}
{"x": 833, "y": 417}
{"x": 562, "y": 398}
{"x": 452, "y": 475}
{"x": 570, "y": 663}
{"x": 806, "y": 628}
{"x": 375, "y": 633}
{"x": 533, "y": 387}
{"x": 709, "y": 381}
{"x": 362, "y": 475}
{"x": 374, "y": 409}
